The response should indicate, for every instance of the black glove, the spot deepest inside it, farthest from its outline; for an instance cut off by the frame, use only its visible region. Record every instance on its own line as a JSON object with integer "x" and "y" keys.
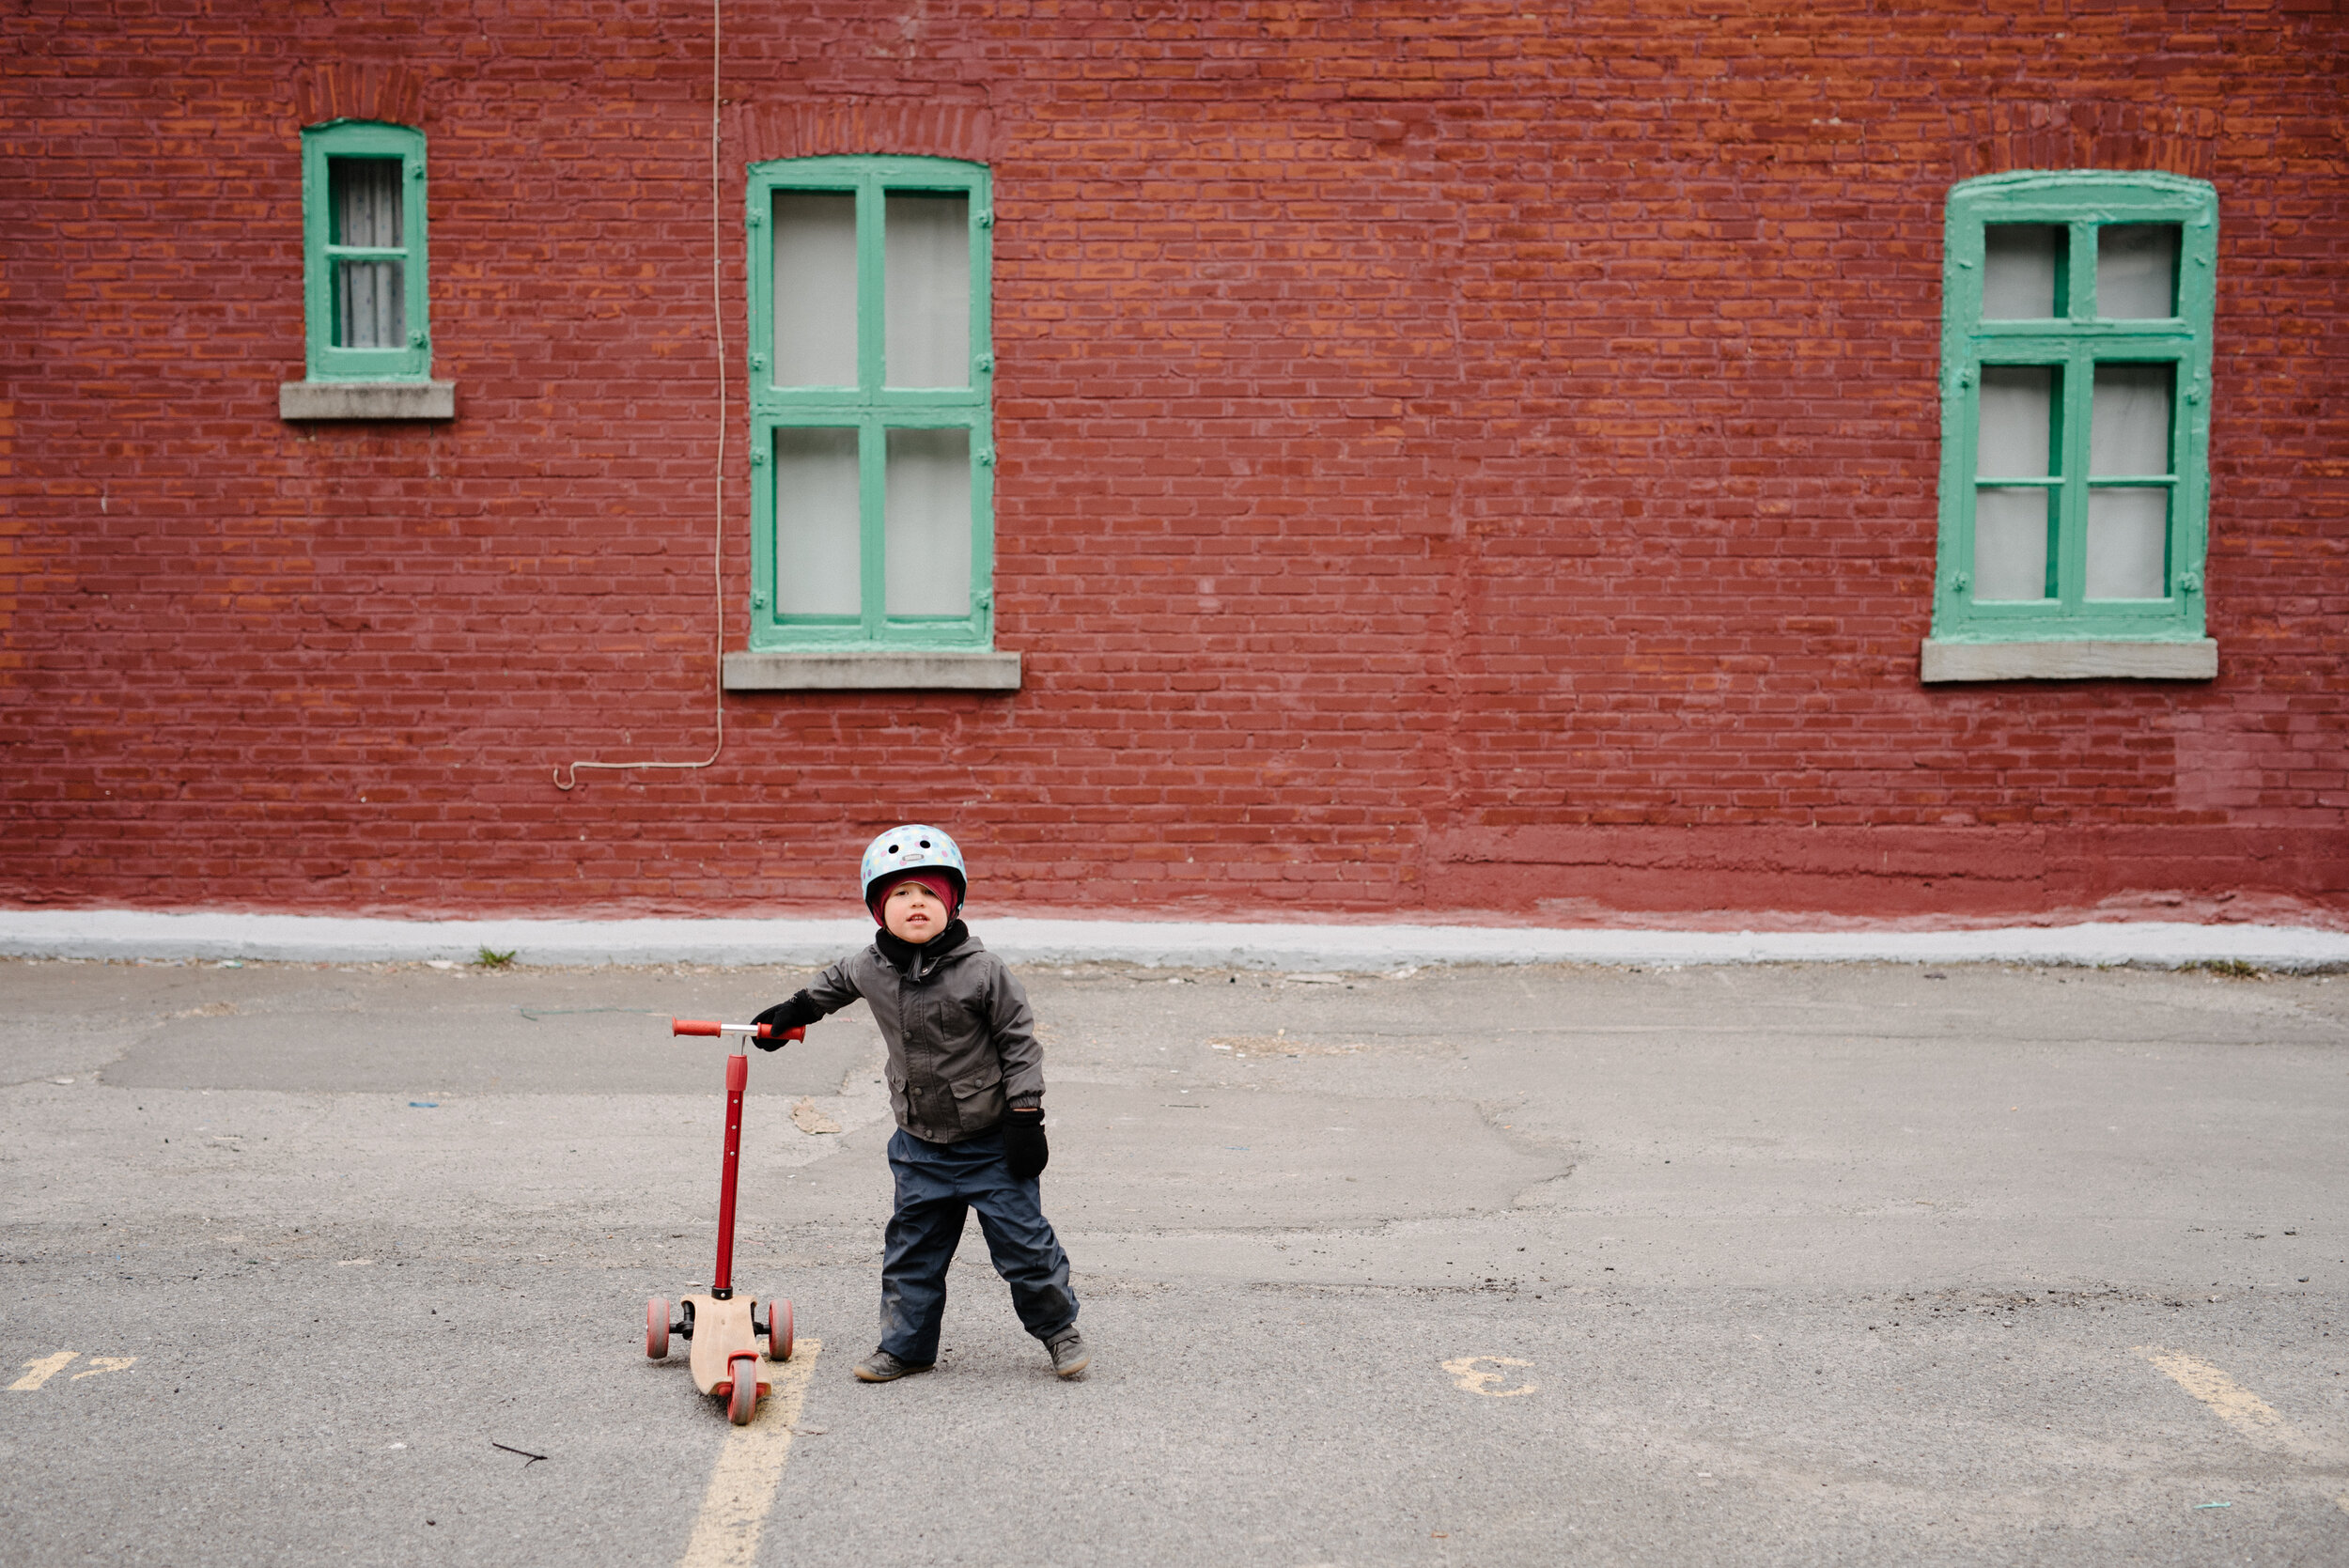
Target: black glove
{"x": 1023, "y": 1142}
{"x": 784, "y": 1016}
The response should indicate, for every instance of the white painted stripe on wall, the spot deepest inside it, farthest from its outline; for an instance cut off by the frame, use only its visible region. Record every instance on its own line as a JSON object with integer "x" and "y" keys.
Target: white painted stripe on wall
{"x": 1200, "y": 944}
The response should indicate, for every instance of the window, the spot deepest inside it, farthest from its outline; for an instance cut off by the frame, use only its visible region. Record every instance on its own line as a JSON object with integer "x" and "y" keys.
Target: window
{"x": 2076, "y": 354}
{"x": 871, "y": 447}
{"x": 364, "y": 258}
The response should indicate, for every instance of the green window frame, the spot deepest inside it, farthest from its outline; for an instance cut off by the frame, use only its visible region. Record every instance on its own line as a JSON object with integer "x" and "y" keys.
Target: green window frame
{"x": 864, "y": 419}
{"x": 364, "y": 284}
{"x": 2111, "y": 569}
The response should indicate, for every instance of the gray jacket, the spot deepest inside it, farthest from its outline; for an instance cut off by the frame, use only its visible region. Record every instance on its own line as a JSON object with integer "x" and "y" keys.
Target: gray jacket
{"x": 961, "y": 1041}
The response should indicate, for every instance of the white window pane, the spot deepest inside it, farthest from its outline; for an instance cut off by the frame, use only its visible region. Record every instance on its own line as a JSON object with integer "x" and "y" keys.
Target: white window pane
{"x": 2128, "y": 534}
{"x": 816, "y": 535}
{"x": 365, "y": 207}
{"x": 2010, "y": 544}
{"x": 925, "y": 248}
{"x": 929, "y": 522}
{"x": 2017, "y": 407}
{"x": 366, "y": 198}
{"x": 2128, "y": 424}
{"x": 370, "y": 304}
{"x": 815, "y": 289}
{"x": 2137, "y": 270}
{"x": 2019, "y": 262}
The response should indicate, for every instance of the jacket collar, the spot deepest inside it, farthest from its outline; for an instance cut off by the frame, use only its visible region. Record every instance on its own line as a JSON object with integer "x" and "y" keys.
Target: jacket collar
{"x": 918, "y": 963}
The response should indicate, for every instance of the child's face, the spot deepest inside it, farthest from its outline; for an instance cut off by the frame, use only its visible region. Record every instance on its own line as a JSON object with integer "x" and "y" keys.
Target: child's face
{"x": 913, "y": 913}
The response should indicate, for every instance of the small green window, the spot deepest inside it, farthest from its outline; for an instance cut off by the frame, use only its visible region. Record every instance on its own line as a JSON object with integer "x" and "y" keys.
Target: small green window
{"x": 2076, "y": 354}
{"x": 363, "y": 288}
{"x": 871, "y": 447}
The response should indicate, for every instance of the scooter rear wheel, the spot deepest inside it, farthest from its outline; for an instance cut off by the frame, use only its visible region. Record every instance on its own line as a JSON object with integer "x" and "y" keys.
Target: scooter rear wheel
{"x": 656, "y": 1327}
{"x": 742, "y": 1403}
{"x": 779, "y": 1330}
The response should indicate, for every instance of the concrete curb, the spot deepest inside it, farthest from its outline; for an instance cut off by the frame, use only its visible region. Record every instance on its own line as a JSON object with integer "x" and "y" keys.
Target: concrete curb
{"x": 315, "y": 938}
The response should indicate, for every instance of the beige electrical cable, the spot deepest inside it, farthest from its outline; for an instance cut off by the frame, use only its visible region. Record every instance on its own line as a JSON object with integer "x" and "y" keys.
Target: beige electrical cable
{"x": 718, "y": 321}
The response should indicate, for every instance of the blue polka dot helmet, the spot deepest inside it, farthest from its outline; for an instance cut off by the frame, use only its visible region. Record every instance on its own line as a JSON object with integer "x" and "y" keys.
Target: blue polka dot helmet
{"x": 912, "y": 847}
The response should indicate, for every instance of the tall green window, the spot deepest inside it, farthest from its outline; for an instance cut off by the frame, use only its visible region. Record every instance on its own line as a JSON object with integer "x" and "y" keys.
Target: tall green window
{"x": 2076, "y": 354}
{"x": 364, "y": 292}
{"x": 871, "y": 445}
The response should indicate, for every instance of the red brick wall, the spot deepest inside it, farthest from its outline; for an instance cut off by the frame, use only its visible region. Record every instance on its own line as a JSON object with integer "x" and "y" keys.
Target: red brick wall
{"x": 1446, "y": 464}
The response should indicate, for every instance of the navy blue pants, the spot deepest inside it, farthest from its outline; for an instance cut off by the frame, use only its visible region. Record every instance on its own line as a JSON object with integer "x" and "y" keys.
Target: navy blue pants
{"x": 937, "y": 1185}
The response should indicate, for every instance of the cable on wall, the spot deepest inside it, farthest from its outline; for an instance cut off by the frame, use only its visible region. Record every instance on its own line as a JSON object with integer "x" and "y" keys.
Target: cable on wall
{"x": 717, "y": 322}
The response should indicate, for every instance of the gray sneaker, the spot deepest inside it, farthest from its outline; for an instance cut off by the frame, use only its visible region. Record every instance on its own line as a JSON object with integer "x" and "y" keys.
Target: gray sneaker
{"x": 1069, "y": 1355}
{"x": 882, "y": 1367}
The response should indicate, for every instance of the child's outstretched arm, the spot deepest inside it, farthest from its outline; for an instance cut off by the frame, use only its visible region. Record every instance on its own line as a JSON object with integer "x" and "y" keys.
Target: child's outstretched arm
{"x": 830, "y": 992}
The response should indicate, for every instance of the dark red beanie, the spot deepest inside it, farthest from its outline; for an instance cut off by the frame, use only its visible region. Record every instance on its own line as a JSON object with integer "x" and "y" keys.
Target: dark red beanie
{"x": 929, "y": 877}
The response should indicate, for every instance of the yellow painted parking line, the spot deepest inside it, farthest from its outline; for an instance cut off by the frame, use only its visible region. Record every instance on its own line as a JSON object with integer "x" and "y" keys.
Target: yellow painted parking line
{"x": 2229, "y": 1401}
{"x": 42, "y": 1371}
{"x": 750, "y": 1469}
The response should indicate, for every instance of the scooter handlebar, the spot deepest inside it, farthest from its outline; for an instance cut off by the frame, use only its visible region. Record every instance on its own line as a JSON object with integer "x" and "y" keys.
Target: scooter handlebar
{"x": 710, "y": 1027}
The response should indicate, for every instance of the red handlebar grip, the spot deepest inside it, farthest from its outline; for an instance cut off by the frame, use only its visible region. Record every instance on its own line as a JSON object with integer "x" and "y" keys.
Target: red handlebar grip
{"x": 766, "y": 1031}
{"x": 694, "y": 1026}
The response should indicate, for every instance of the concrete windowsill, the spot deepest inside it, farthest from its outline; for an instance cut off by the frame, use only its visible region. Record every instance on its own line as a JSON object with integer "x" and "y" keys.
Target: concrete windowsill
{"x": 366, "y": 399}
{"x": 943, "y": 670}
{"x": 2077, "y": 660}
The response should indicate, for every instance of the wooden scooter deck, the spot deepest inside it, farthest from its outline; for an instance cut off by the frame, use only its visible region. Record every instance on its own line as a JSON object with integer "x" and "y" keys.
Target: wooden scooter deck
{"x": 722, "y": 1331}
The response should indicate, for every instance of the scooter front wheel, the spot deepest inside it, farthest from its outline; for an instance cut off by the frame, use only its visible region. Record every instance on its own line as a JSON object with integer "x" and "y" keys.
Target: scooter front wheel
{"x": 742, "y": 1403}
{"x": 656, "y": 1327}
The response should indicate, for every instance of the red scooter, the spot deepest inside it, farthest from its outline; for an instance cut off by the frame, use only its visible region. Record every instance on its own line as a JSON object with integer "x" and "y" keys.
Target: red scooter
{"x": 724, "y": 1331}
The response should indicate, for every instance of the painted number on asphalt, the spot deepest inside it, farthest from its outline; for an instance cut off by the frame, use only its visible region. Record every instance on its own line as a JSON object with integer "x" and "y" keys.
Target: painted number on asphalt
{"x": 1469, "y": 1376}
{"x": 40, "y": 1369}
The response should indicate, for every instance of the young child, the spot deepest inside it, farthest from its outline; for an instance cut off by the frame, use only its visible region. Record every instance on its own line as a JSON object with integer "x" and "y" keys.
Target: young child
{"x": 966, "y": 1079}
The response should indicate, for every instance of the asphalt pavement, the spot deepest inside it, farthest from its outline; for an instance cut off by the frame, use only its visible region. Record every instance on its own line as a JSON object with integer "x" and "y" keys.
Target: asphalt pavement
{"x": 1829, "y": 1264}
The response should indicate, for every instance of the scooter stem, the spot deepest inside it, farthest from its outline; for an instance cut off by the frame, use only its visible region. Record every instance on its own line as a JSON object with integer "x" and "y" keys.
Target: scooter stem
{"x": 738, "y": 1079}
